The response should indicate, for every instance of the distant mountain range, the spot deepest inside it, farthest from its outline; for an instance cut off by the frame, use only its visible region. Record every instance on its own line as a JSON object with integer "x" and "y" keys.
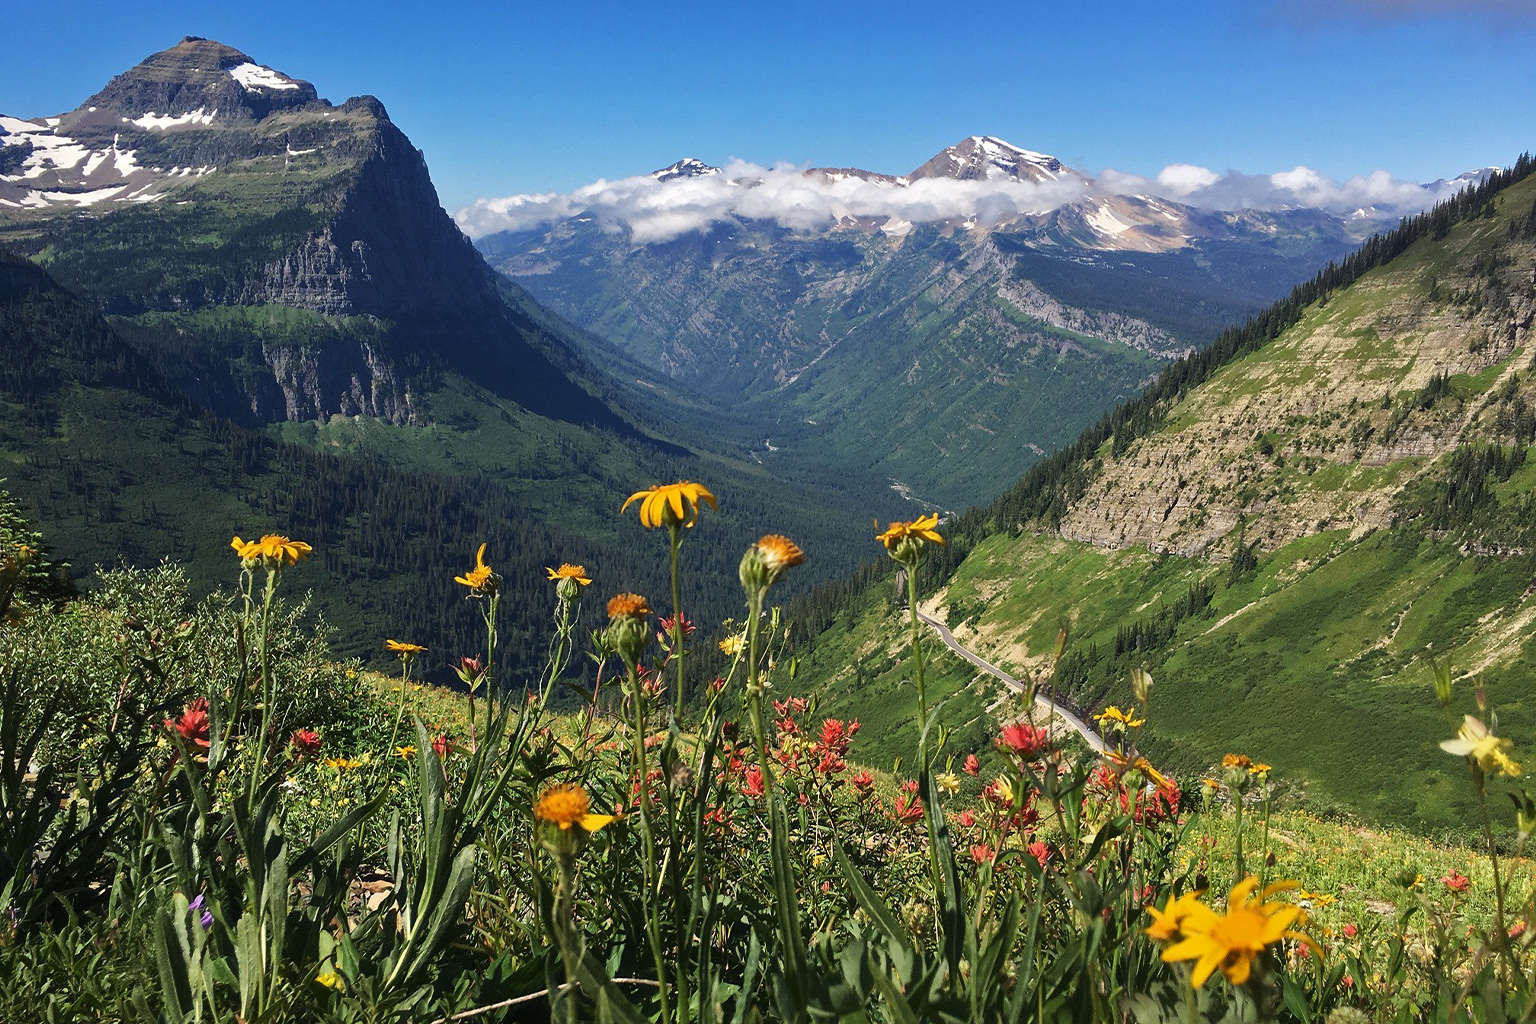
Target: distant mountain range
{"x": 246, "y": 310}
{"x": 945, "y": 327}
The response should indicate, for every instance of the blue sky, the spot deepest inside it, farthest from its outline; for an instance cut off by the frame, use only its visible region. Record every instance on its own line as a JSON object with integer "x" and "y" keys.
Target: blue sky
{"x": 517, "y": 97}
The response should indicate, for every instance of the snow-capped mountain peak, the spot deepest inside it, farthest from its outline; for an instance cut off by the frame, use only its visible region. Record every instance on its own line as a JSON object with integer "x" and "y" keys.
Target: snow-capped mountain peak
{"x": 988, "y": 158}
{"x": 688, "y": 167}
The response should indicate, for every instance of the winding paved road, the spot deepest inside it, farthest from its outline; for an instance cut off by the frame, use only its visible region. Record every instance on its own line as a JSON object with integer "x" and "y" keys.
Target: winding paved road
{"x": 1044, "y": 704}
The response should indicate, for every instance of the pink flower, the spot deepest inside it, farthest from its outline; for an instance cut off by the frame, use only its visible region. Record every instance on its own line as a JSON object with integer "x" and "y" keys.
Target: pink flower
{"x": 1028, "y": 741}
{"x": 864, "y": 783}
{"x": 754, "y": 782}
{"x": 305, "y": 742}
{"x": 193, "y": 724}
{"x": 981, "y": 853}
{"x": 1456, "y": 881}
{"x": 972, "y": 765}
{"x": 1350, "y": 931}
{"x": 1041, "y": 851}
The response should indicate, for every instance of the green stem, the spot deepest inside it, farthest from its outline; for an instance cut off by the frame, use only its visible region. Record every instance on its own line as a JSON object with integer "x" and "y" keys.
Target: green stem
{"x": 677, "y": 617}
{"x": 570, "y": 946}
{"x": 1238, "y": 825}
{"x": 917, "y": 667}
{"x": 1493, "y": 859}
{"x": 637, "y": 698}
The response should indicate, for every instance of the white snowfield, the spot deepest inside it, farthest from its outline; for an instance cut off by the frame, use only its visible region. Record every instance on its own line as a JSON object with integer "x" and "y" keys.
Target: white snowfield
{"x": 62, "y": 171}
{"x": 253, "y": 76}
{"x": 151, "y": 120}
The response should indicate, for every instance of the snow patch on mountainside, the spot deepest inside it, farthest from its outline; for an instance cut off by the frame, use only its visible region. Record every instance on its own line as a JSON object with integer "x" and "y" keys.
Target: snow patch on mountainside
{"x": 253, "y": 76}
{"x": 150, "y": 120}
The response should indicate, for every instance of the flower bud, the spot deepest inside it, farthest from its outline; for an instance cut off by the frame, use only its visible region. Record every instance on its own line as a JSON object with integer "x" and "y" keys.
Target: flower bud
{"x": 1141, "y": 684}
{"x": 567, "y": 590}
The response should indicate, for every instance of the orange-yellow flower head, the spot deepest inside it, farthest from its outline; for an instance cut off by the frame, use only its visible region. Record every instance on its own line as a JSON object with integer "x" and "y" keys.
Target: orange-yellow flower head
{"x": 905, "y": 541}
{"x": 767, "y": 560}
{"x": 273, "y": 550}
{"x": 566, "y": 805}
{"x": 1230, "y": 941}
{"x": 1114, "y": 718}
{"x": 671, "y": 504}
{"x": 405, "y": 650}
{"x": 482, "y": 579}
{"x": 569, "y": 572}
{"x": 628, "y": 606}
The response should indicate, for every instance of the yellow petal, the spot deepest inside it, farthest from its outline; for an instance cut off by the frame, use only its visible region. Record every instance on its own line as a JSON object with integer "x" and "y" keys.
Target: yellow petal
{"x": 593, "y": 822}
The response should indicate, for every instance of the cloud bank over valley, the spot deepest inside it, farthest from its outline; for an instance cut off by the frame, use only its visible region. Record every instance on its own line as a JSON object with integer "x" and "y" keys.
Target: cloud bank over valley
{"x": 658, "y": 207}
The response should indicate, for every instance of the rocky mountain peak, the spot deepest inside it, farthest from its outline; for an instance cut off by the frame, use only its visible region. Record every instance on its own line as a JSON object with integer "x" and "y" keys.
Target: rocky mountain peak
{"x": 199, "y": 77}
{"x": 988, "y": 158}
{"x": 688, "y": 167}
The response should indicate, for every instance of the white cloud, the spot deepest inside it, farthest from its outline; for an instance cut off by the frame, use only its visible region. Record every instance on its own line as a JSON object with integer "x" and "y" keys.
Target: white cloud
{"x": 1182, "y": 179}
{"x": 654, "y": 211}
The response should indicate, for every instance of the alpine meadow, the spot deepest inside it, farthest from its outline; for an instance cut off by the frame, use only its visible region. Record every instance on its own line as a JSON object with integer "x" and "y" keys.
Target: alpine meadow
{"x": 980, "y": 590}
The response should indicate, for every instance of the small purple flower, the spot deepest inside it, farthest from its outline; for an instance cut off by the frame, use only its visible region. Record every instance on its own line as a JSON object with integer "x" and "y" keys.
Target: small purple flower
{"x": 206, "y": 918}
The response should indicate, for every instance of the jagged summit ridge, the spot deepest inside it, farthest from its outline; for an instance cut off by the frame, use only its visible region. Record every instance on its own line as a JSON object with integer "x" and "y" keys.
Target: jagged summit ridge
{"x": 687, "y": 167}
{"x": 988, "y": 158}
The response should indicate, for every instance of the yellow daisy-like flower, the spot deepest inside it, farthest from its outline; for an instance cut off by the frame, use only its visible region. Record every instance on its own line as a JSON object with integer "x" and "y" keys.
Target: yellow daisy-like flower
{"x": 671, "y": 504}
{"x": 482, "y": 579}
{"x": 1141, "y": 764}
{"x": 1233, "y": 940}
{"x": 405, "y": 650}
{"x": 1474, "y": 740}
{"x": 272, "y": 550}
{"x": 921, "y": 529}
{"x": 731, "y": 646}
{"x": 406, "y": 752}
{"x": 628, "y": 606}
{"x": 1236, "y": 761}
{"x": 1165, "y": 923}
{"x": 569, "y": 572}
{"x": 1260, "y": 769}
{"x": 330, "y": 979}
{"x": 1125, "y": 719}
{"x": 566, "y": 805}
{"x": 948, "y": 782}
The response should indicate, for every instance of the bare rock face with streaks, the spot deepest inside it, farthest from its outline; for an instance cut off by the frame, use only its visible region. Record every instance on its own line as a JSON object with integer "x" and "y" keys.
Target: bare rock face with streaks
{"x": 1323, "y": 427}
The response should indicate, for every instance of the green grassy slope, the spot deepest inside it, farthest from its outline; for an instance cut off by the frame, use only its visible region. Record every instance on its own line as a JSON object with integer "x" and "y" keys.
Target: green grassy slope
{"x": 1369, "y": 535}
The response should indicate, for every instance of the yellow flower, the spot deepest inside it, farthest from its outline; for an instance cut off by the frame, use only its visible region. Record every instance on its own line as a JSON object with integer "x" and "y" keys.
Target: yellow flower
{"x": 1142, "y": 765}
{"x": 272, "y": 550}
{"x": 671, "y": 504}
{"x": 628, "y": 606}
{"x": 405, "y": 650}
{"x": 779, "y": 552}
{"x": 1124, "y": 719}
{"x": 921, "y": 529}
{"x": 948, "y": 782}
{"x": 1260, "y": 769}
{"x": 1165, "y": 922}
{"x": 1232, "y": 941}
{"x": 1473, "y": 740}
{"x": 482, "y": 579}
{"x": 1236, "y": 761}
{"x": 568, "y": 572}
{"x": 567, "y": 805}
{"x": 731, "y": 646}
{"x": 330, "y": 979}
{"x": 406, "y": 752}
{"x": 1315, "y": 900}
